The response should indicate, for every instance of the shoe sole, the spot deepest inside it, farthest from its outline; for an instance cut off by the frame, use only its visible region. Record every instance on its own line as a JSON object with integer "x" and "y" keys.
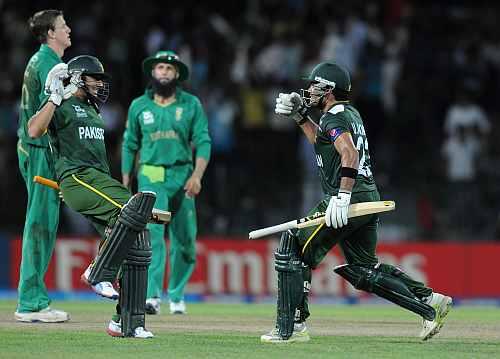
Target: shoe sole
{"x": 289, "y": 341}
{"x": 444, "y": 309}
{"x": 114, "y": 334}
{"x": 178, "y": 312}
{"x": 26, "y": 320}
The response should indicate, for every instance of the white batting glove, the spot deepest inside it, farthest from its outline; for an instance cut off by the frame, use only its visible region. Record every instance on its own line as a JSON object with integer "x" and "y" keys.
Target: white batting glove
{"x": 59, "y": 71}
{"x": 56, "y": 91}
{"x": 336, "y": 212}
{"x": 290, "y": 105}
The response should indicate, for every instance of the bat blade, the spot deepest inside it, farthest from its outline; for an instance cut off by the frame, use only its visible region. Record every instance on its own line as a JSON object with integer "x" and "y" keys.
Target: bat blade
{"x": 355, "y": 210}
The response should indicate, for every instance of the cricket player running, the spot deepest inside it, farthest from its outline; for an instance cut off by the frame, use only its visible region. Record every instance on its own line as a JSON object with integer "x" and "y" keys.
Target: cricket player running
{"x": 343, "y": 159}
{"x": 42, "y": 212}
{"x": 76, "y": 136}
{"x": 164, "y": 125}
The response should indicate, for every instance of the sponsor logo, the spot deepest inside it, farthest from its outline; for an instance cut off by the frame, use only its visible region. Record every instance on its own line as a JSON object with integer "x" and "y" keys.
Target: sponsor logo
{"x": 80, "y": 112}
{"x": 178, "y": 113}
{"x": 148, "y": 118}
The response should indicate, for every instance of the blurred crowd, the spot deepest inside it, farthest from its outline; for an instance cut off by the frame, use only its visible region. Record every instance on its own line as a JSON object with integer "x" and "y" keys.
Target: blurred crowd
{"x": 425, "y": 79}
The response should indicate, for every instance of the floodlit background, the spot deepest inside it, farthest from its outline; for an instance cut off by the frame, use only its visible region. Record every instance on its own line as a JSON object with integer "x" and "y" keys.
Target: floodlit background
{"x": 425, "y": 79}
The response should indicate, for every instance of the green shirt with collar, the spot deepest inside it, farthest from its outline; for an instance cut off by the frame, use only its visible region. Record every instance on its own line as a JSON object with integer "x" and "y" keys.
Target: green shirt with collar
{"x": 342, "y": 118}
{"x": 33, "y": 94}
{"x": 164, "y": 134}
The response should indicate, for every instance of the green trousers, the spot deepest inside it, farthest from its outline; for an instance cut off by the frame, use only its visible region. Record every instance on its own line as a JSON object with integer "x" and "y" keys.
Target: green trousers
{"x": 96, "y": 195}
{"x": 357, "y": 241}
{"x": 40, "y": 228}
{"x": 168, "y": 184}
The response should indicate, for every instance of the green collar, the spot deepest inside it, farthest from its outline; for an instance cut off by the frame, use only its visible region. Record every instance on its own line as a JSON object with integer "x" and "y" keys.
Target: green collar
{"x": 47, "y": 50}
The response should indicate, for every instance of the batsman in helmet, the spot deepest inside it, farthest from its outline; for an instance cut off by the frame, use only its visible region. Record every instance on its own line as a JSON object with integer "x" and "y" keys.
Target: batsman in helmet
{"x": 345, "y": 169}
{"x": 70, "y": 115}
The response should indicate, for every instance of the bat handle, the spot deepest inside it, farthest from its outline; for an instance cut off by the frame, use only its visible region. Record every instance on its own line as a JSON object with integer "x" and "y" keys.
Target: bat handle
{"x": 273, "y": 229}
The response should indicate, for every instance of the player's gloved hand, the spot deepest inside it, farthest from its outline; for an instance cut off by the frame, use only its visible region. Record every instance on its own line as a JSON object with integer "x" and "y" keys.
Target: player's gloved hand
{"x": 336, "y": 212}
{"x": 291, "y": 105}
{"x": 56, "y": 91}
{"x": 54, "y": 85}
{"x": 69, "y": 90}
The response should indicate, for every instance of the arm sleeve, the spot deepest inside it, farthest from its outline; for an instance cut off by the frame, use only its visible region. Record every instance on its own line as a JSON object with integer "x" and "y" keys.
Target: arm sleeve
{"x": 200, "y": 136}
{"x": 334, "y": 125}
{"x": 131, "y": 141}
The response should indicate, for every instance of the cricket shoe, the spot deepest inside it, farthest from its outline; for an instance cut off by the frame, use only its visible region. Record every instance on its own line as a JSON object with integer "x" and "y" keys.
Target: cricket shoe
{"x": 142, "y": 333}
{"x": 300, "y": 334}
{"x": 178, "y": 307}
{"x": 153, "y": 305}
{"x": 106, "y": 290}
{"x": 442, "y": 305}
{"x": 46, "y": 315}
{"x": 115, "y": 327}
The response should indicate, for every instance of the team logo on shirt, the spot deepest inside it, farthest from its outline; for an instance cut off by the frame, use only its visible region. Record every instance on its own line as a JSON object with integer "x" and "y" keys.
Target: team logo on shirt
{"x": 80, "y": 112}
{"x": 178, "y": 113}
{"x": 148, "y": 118}
{"x": 90, "y": 133}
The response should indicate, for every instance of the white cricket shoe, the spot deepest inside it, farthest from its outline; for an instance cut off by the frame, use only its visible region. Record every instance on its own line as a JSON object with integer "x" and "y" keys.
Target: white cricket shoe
{"x": 442, "y": 305}
{"x": 114, "y": 328}
{"x": 106, "y": 290}
{"x": 178, "y": 308}
{"x": 153, "y": 305}
{"x": 46, "y": 315}
{"x": 300, "y": 334}
{"x": 142, "y": 333}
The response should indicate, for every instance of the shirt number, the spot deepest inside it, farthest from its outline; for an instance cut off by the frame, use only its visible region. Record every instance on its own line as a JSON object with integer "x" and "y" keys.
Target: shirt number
{"x": 362, "y": 147}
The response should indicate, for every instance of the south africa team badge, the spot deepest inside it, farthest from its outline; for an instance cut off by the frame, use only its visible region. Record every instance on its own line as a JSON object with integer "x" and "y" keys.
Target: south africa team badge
{"x": 178, "y": 113}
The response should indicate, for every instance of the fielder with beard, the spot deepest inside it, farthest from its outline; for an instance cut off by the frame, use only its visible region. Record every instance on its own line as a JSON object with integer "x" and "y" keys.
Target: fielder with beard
{"x": 163, "y": 127}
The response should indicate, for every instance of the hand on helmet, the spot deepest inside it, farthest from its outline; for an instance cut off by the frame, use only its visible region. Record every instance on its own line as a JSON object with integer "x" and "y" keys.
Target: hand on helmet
{"x": 54, "y": 84}
{"x": 290, "y": 105}
{"x": 336, "y": 212}
{"x": 56, "y": 91}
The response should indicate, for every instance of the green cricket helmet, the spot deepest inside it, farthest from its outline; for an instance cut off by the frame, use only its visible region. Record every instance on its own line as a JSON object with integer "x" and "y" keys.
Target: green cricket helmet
{"x": 168, "y": 57}
{"x": 326, "y": 77}
{"x": 86, "y": 65}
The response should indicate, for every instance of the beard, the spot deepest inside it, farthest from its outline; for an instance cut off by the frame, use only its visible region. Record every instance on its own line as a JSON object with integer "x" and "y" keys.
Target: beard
{"x": 164, "y": 88}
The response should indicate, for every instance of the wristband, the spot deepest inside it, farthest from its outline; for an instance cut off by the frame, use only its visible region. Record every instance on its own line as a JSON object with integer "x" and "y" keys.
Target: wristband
{"x": 348, "y": 172}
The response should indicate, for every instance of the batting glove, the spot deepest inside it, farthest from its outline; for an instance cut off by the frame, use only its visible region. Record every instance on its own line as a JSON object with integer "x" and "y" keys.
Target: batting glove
{"x": 336, "y": 212}
{"x": 56, "y": 90}
{"x": 292, "y": 106}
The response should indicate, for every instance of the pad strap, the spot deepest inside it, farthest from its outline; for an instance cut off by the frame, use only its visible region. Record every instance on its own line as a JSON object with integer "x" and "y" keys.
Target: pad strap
{"x": 386, "y": 286}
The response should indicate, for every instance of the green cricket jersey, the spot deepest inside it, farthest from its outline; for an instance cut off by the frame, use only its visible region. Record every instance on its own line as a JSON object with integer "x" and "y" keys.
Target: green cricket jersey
{"x": 33, "y": 91}
{"x": 76, "y": 136}
{"x": 164, "y": 135}
{"x": 339, "y": 119}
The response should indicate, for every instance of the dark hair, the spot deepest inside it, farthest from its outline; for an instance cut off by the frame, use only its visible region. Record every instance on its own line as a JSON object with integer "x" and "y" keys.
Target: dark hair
{"x": 42, "y": 22}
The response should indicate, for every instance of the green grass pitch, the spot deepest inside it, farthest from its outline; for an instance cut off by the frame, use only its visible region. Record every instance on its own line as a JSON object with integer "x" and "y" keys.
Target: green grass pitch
{"x": 233, "y": 330}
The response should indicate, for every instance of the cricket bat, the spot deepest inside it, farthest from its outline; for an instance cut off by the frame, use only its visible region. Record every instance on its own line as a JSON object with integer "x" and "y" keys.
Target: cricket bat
{"x": 157, "y": 215}
{"x": 355, "y": 210}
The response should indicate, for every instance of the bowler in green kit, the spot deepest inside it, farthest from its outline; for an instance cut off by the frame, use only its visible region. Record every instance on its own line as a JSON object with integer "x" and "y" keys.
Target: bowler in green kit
{"x": 42, "y": 212}
{"x": 163, "y": 127}
{"x": 75, "y": 128}
{"x": 345, "y": 170}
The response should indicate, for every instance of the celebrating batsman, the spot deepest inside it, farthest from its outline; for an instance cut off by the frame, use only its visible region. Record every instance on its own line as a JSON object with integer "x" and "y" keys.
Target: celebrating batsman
{"x": 76, "y": 136}
{"x": 343, "y": 159}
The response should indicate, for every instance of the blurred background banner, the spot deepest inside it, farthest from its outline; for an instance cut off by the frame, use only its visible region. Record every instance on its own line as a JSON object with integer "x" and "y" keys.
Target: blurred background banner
{"x": 241, "y": 267}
